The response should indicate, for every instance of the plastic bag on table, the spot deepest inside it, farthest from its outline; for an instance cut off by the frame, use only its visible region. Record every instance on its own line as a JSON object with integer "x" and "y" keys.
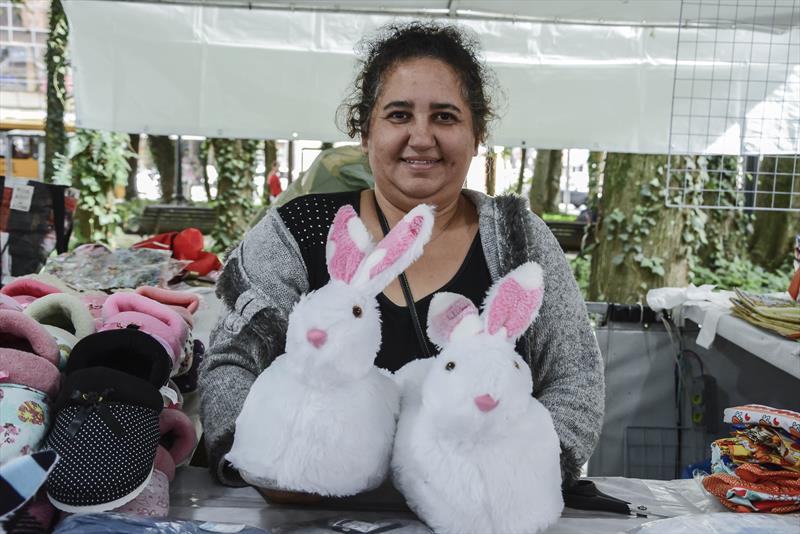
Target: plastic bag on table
{"x": 130, "y": 524}
{"x": 96, "y": 267}
{"x": 721, "y": 523}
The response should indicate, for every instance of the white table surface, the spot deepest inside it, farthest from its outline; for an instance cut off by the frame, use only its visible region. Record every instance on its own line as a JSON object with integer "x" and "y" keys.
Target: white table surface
{"x": 195, "y": 496}
{"x": 781, "y": 352}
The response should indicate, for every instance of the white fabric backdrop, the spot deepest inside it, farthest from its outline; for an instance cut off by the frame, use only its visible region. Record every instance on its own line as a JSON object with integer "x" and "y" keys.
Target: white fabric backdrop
{"x": 214, "y": 71}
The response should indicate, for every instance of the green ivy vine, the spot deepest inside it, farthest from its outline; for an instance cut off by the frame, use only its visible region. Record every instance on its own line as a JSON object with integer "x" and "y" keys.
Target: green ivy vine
{"x": 235, "y": 163}
{"x": 57, "y": 63}
{"x": 97, "y": 163}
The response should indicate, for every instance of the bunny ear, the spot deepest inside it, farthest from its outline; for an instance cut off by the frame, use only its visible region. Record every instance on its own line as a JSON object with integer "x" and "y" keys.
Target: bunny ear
{"x": 451, "y": 316}
{"x": 514, "y": 301}
{"x": 348, "y": 243}
{"x": 401, "y": 246}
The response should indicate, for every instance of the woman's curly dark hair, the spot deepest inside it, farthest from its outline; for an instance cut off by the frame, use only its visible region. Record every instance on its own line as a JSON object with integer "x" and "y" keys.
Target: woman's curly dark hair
{"x": 395, "y": 43}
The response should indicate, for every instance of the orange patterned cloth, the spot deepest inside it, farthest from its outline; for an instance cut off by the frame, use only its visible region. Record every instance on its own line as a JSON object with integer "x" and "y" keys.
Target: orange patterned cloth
{"x": 755, "y": 489}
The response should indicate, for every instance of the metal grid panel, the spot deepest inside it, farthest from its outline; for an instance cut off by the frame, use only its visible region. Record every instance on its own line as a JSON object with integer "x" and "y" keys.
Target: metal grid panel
{"x": 735, "y": 118}
{"x": 662, "y": 452}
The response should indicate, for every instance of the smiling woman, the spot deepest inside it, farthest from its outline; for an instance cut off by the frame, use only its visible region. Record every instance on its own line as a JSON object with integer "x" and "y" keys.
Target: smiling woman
{"x": 420, "y": 106}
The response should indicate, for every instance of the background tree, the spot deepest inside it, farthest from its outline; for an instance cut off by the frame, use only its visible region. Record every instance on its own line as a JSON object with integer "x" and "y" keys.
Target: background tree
{"x": 521, "y": 177}
{"x": 490, "y": 170}
{"x": 133, "y": 162}
{"x": 546, "y": 180}
{"x": 162, "y": 149}
{"x": 270, "y": 156}
{"x": 640, "y": 243}
{"x": 98, "y": 162}
{"x": 236, "y": 165}
{"x": 56, "y": 60}
{"x": 773, "y": 231}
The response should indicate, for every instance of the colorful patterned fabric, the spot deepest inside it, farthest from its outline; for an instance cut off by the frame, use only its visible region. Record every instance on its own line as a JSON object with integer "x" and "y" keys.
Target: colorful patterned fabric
{"x": 756, "y": 444}
{"x": 757, "y": 414}
{"x": 756, "y": 489}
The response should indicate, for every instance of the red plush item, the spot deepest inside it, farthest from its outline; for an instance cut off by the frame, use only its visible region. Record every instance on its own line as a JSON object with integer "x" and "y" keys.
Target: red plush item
{"x": 185, "y": 245}
{"x": 794, "y": 286}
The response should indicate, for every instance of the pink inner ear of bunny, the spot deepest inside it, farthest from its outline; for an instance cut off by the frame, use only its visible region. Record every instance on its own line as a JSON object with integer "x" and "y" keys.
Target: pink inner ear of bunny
{"x": 513, "y": 307}
{"x": 399, "y": 240}
{"x": 444, "y": 323}
{"x": 346, "y": 254}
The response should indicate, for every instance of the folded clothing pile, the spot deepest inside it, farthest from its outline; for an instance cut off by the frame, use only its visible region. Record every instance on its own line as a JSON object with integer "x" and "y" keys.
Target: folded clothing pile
{"x": 757, "y": 469}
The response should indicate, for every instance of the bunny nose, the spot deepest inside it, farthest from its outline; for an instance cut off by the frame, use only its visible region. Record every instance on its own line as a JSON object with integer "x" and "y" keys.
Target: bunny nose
{"x": 316, "y": 337}
{"x": 486, "y": 403}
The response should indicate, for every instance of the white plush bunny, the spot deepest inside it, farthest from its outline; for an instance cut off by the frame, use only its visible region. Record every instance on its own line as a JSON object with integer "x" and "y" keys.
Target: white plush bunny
{"x": 474, "y": 451}
{"x": 321, "y": 418}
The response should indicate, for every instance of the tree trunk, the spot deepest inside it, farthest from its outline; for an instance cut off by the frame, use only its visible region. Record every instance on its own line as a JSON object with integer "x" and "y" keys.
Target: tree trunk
{"x": 596, "y": 164}
{"x": 545, "y": 187}
{"x": 639, "y": 243}
{"x": 205, "y": 148}
{"x": 270, "y": 156}
{"x": 491, "y": 171}
{"x": 553, "y": 181}
{"x": 521, "y": 177}
{"x": 163, "y": 150}
{"x": 772, "y": 241}
{"x": 235, "y": 159}
{"x": 130, "y": 189}
{"x": 56, "y": 60}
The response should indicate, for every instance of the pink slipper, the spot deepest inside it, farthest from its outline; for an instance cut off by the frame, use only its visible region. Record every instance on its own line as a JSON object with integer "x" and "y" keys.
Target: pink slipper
{"x": 29, "y": 382}
{"x": 178, "y": 435}
{"x": 122, "y": 310}
{"x": 181, "y": 299}
{"x": 94, "y": 303}
{"x": 7, "y": 303}
{"x": 26, "y": 290}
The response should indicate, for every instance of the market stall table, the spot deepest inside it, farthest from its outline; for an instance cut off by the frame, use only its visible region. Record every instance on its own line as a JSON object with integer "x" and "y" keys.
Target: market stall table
{"x": 194, "y": 495}
{"x": 715, "y": 319}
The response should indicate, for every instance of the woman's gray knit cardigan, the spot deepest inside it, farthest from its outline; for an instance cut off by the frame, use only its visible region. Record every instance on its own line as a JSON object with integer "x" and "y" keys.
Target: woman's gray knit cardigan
{"x": 265, "y": 275}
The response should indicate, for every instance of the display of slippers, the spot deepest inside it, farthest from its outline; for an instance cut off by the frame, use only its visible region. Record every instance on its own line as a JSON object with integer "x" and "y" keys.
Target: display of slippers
{"x": 65, "y": 317}
{"x": 106, "y": 428}
{"x": 29, "y": 382}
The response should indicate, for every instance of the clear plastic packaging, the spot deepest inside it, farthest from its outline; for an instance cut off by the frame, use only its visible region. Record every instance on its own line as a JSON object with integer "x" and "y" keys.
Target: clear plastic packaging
{"x": 129, "y": 524}
{"x": 722, "y": 523}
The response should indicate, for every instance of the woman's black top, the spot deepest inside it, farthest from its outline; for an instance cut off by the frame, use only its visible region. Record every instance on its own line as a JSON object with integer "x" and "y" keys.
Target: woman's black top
{"x": 309, "y": 217}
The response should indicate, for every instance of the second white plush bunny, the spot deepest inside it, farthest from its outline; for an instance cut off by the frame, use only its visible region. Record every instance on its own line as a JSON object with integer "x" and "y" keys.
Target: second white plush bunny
{"x": 474, "y": 451}
{"x": 321, "y": 418}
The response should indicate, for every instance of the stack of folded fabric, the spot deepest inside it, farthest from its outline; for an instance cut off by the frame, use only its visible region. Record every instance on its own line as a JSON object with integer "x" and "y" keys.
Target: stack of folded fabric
{"x": 113, "y": 419}
{"x": 757, "y": 469}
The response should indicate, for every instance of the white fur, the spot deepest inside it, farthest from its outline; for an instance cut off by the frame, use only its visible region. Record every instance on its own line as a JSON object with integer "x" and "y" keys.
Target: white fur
{"x": 322, "y": 420}
{"x": 464, "y": 470}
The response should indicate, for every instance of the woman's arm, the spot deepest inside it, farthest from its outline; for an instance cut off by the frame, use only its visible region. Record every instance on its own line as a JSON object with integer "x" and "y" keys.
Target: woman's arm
{"x": 567, "y": 365}
{"x": 263, "y": 277}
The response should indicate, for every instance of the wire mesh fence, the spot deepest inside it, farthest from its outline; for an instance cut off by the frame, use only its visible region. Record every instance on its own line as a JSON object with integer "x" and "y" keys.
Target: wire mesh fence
{"x": 661, "y": 452}
{"x": 735, "y": 118}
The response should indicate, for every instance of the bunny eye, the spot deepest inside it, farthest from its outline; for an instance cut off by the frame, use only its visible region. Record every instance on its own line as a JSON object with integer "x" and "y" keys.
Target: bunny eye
{"x": 450, "y": 366}
{"x": 516, "y": 364}
{"x": 357, "y": 311}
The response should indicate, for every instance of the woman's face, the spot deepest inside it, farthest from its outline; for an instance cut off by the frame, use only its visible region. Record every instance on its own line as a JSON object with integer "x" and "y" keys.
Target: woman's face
{"x": 420, "y": 140}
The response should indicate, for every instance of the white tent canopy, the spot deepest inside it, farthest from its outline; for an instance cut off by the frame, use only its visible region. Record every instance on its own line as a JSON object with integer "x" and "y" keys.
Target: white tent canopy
{"x": 596, "y": 74}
